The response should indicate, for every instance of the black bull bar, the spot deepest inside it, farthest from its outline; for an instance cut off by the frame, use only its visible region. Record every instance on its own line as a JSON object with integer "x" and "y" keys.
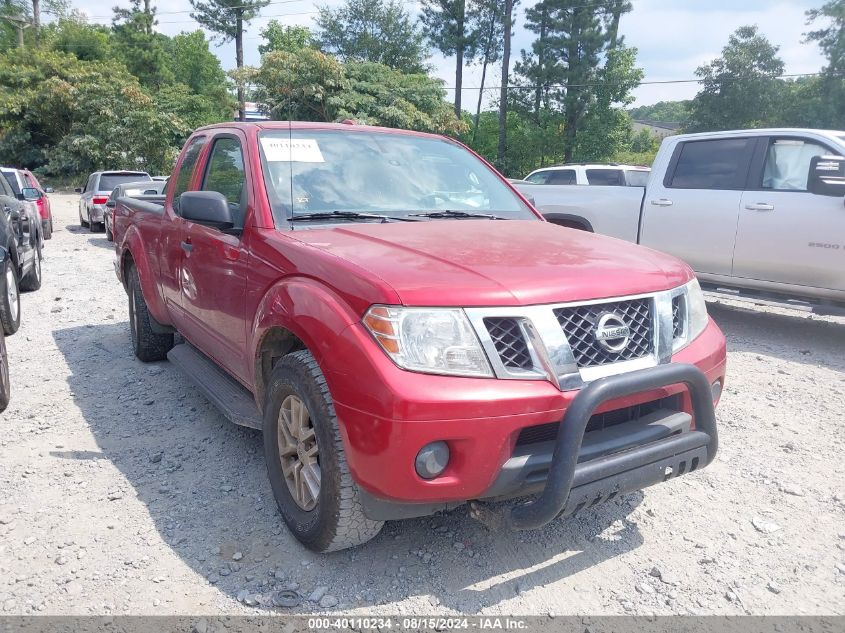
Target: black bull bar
{"x": 628, "y": 470}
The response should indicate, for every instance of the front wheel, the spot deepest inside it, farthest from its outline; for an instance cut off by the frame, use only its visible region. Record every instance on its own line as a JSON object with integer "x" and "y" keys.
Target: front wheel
{"x": 109, "y": 232}
{"x": 306, "y": 462}
{"x": 147, "y": 344}
{"x": 10, "y": 299}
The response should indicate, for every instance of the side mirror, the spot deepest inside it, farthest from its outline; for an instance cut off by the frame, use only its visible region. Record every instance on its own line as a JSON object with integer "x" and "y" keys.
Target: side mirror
{"x": 827, "y": 176}
{"x": 49, "y": 190}
{"x": 110, "y": 203}
{"x": 78, "y": 190}
{"x": 209, "y": 208}
{"x": 31, "y": 193}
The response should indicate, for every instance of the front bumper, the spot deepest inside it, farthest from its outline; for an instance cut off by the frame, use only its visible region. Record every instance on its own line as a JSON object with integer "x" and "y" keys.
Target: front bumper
{"x": 386, "y": 421}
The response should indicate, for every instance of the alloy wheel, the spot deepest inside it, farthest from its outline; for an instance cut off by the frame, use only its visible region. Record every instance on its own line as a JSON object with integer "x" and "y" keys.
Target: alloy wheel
{"x": 299, "y": 453}
{"x": 12, "y": 294}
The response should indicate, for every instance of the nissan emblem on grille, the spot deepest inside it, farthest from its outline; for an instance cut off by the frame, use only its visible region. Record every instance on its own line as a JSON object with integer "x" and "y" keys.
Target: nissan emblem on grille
{"x": 612, "y": 333}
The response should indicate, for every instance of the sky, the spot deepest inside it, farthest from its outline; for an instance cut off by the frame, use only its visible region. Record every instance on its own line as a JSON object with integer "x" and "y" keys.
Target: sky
{"x": 673, "y": 37}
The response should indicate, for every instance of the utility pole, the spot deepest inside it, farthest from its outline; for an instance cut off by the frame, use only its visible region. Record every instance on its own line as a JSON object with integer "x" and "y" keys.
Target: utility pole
{"x": 20, "y": 24}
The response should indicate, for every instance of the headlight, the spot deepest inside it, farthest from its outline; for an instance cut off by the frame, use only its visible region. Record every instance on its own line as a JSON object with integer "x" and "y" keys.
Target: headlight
{"x": 430, "y": 340}
{"x": 696, "y": 310}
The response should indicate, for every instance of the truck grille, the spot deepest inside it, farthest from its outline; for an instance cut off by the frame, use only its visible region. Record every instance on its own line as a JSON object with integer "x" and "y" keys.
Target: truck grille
{"x": 579, "y": 324}
{"x": 677, "y": 317}
{"x": 510, "y": 342}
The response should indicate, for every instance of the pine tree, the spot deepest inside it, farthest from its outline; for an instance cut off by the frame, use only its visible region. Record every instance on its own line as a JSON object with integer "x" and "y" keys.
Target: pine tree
{"x": 226, "y": 18}
{"x": 446, "y": 24}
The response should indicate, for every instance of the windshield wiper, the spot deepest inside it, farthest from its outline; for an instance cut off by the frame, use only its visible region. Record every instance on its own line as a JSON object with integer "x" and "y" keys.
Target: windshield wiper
{"x": 347, "y": 215}
{"x": 450, "y": 213}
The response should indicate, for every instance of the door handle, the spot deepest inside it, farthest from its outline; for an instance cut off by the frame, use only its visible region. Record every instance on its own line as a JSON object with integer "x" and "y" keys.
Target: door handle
{"x": 662, "y": 202}
{"x": 760, "y": 206}
{"x": 187, "y": 246}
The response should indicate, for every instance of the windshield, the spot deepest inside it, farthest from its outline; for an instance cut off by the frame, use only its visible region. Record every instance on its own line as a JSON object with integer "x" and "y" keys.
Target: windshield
{"x": 637, "y": 177}
{"x": 110, "y": 181}
{"x": 399, "y": 175}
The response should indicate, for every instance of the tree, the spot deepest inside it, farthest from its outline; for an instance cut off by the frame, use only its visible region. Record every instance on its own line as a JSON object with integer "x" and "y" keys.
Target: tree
{"x": 668, "y": 111}
{"x": 831, "y": 40}
{"x": 488, "y": 39}
{"x": 740, "y": 89}
{"x": 138, "y": 47}
{"x": 447, "y": 25}
{"x": 507, "y": 25}
{"x": 226, "y": 18}
{"x": 312, "y": 86}
{"x": 278, "y": 37}
{"x": 380, "y": 31}
{"x": 192, "y": 63}
{"x": 88, "y": 42}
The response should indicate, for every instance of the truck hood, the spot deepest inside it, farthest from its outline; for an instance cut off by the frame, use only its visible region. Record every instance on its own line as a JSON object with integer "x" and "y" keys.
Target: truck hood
{"x": 497, "y": 263}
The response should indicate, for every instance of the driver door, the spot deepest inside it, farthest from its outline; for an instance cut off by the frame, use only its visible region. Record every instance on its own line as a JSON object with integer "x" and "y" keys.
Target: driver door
{"x": 786, "y": 234}
{"x": 214, "y": 268}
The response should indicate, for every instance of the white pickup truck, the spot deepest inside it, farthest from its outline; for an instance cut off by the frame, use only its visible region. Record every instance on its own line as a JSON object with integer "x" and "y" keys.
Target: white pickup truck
{"x": 761, "y": 212}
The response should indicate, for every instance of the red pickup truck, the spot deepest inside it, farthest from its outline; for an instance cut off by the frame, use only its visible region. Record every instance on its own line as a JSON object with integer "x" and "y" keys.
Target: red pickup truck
{"x": 409, "y": 334}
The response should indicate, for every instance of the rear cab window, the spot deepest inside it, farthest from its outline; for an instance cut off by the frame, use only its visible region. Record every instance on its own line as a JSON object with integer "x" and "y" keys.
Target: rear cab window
{"x": 185, "y": 171}
{"x": 720, "y": 164}
{"x": 562, "y": 177}
{"x": 605, "y": 177}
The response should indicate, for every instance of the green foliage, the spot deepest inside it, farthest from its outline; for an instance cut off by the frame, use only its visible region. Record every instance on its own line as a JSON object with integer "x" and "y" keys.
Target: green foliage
{"x": 644, "y": 142}
{"x": 380, "y": 31}
{"x": 312, "y": 86}
{"x": 740, "y": 89}
{"x": 88, "y": 42}
{"x": 71, "y": 117}
{"x": 193, "y": 64}
{"x": 667, "y": 111}
{"x": 278, "y": 37}
{"x": 831, "y": 36}
{"x": 138, "y": 47}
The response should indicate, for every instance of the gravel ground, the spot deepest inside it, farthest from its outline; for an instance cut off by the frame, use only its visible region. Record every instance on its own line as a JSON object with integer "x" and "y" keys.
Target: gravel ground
{"x": 123, "y": 491}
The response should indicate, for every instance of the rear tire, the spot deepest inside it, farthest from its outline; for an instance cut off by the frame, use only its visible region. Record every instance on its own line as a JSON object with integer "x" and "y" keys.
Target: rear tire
{"x": 148, "y": 345}
{"x": 5, "y": 386}
{"x": 10, "y": 298}
{"x": 83, "y": 222}
{"x": 32, "y": 280}
{"x": 109, "y": 232}
{"x": 334, "y": 519}
{"x": 48, "y": 230}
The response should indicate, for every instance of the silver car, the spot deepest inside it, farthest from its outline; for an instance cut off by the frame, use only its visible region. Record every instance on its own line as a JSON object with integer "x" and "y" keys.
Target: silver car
{"x": 143, "y": 190}
{"x": 95, "y": 194}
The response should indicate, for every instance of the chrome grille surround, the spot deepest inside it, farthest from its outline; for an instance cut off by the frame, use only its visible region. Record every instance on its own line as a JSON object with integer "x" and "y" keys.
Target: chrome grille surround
{"x": 552, "y": 356}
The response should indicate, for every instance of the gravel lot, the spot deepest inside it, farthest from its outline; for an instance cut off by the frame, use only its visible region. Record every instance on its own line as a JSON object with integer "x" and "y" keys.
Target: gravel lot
{"x": 123, "y": 491}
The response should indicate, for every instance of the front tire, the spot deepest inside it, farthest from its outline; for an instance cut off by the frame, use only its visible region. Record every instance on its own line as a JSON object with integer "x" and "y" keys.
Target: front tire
{"x": 148, "y": 345}
{"x": 10, "y": 298}
{"x": 109, "y": 232}
{"x": 318, "y": 499}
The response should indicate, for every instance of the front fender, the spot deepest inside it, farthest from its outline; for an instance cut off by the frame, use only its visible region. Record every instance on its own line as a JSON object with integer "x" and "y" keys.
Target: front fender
{"x": 132, "y": 246}
{"x": 309, "y": 310}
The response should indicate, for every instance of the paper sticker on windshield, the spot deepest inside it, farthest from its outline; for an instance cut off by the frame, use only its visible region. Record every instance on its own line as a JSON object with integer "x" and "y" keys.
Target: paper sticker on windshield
{"x": 298, "y": 150}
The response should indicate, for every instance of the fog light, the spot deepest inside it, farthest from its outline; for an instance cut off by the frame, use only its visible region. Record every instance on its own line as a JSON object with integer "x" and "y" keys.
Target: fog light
{"x": 432, "y": 459}
{"x": 716, "y": 390}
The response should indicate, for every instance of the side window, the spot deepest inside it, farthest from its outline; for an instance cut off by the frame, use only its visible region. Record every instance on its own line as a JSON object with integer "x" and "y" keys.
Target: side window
{"x": 182, "y": 180}
{"x": 716, "y": 164}
{"x": 605, "y": 177}
{"x": 5, "y": 189}
{"x": 225, "y": 174}
{"x": 538, "y": 179}
{"x": 89, "y": 186}
{"x": 562, "y": 177}
{"x": 788, "y": 164}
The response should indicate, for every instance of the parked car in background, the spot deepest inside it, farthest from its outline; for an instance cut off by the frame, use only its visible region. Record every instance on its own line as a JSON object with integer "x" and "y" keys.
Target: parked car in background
{"x": 144, "y": 190}
{"x": 95, "y": 194}
{"x": 22, "y": 179}
{"x": 503, "y": 356}
{"x": 20, "y": 254}
{"x": 754, "y": 212}
{"x": 161, "y": 178}
{"x": 603, "y": 175}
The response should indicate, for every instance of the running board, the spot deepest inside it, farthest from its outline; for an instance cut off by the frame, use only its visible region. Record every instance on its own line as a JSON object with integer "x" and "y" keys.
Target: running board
{"x": 233, "y": 400}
